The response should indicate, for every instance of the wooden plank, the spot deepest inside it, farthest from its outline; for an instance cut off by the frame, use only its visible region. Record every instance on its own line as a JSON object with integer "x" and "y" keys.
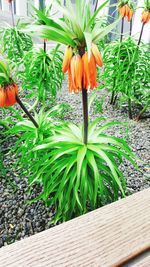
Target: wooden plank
{"x": 102, "y": 238}
{"x": 143, "y": 263}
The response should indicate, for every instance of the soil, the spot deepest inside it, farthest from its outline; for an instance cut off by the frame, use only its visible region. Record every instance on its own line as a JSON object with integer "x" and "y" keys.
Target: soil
{"x": 18, "y": 219}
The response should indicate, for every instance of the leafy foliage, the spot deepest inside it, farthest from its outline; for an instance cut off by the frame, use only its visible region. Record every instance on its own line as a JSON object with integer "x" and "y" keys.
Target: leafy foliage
{"x": 75, "y": 177}
{"x": 29, "y": 135}
{"x": 45, "y": 69}
{"x": 127, "y": 70}
{"x": 15, "y": 43}
{"x": 76, "y": 28}
{"x": 5, "y": 76}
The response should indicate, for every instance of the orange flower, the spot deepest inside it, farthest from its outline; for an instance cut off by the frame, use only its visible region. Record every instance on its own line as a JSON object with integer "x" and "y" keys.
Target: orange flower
{"x": 86, "y": 76}
{"x": 145, "y": 17}
{"x": 8, "y": 95}
{"x": 130, "y": 15}
{"x": 89, "y": 71}
{"x": 67, "y": 58}
{"x": 122, "y": 11}
{"x": 78, "y": 72}
{"x": 75, "y": 74}
{"x": 2, "y": 97}
{"x": 126, "y": 11}
{"x": 97, "y": 55}
{"x": 92, "y": 71}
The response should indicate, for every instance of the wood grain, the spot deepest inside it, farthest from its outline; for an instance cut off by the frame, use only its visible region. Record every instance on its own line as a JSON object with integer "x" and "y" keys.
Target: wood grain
{"x": 102, "y": 238}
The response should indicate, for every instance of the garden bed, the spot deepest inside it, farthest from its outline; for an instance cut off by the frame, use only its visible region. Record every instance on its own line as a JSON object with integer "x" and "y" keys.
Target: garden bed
{"x": 19, "y": 219}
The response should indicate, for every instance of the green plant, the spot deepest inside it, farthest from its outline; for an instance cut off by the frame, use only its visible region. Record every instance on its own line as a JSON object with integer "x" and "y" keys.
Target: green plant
{"x": 29, "y": 136}
{"x": 76, "y": 30}
{"x": 15, "y": 43}
{"x": 127, "y": 72}
{"x": 45, "y": 68}
{"x": 98, "y": 104}
{"x": 76, "y": 177}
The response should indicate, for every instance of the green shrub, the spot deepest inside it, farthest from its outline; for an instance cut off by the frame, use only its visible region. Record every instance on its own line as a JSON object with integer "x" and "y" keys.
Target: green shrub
{"x": 45, "y": 70}
{"x": 15, "y": 43}
{"x": 75, "y": 177}
{"x": 127, "y": 71}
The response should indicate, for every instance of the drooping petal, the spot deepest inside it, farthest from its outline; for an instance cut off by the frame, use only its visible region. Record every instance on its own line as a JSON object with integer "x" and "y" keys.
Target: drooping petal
{"x": 70, "y": 81}
{"x": 67, "y": 58}
{"x": 122, "y": 11}
{"x": 127, "y": 10}
{"x": 145, "y": 17}
{"x": 92, "y": 72}
{"x": 130, "y": 15}
{"x": 97, "y": 55}
{"x": 78, "y": 72}
{"x": 11, "y": 92}
{"x": 86, "y": 75}
{"x": 72, "y": 68}
{"x": 2, "y": 97}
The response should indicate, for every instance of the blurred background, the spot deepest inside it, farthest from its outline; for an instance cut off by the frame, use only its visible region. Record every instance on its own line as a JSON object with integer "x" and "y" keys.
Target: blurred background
{"x": 23, "y": 9}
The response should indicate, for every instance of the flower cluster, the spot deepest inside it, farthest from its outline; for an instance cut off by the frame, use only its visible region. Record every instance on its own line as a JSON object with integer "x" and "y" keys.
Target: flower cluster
{"x": 81, "y": 70}
{"x": 8, "y": 95}
{"x": 126, "y": 11}
{"x": 145, "y": 16}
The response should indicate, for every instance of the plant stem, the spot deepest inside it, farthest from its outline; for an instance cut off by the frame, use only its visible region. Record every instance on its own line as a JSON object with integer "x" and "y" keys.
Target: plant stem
{"x": 44, "y": 46}
{"x": 141, "y": 112}
{"x": 114, "y": 102}
{"x": 85, "y": 104}
{"x": 26, "y": 111}
{"x": 112, "y": 97}
{"x": 12, "y": 13}
{"x": 141, "y": 34}
{"x": 85, "y": 114}
{"x": 130, "y": 109}
{"x": 130, "y": 27}
{"x": 122, "y": 27}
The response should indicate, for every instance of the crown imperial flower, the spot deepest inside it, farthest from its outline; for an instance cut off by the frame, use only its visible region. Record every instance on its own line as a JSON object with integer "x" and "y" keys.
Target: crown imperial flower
{"x": 8, "y": 95}
{"x": 145, "y": 16}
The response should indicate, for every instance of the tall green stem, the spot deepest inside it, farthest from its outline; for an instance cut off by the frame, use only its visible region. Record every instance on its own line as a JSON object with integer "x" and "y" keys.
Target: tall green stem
{"x": 130, "y": 27}
{"x": 141, "y": 33}
{"x": 26, "y": 111}
{"x": 122, "y": 28}
{"x": 85, "y": 104}
{"x": 45, "y": 48}
{"x": 142, "y": 111}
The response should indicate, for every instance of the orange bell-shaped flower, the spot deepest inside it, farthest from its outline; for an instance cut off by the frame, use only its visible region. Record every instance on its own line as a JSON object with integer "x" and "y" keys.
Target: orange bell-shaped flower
{"x": 92, "y": 72}
{"x": 2, "y": 97}
{"x": 86, "y": 75}
{"x": 126, "y": 11}
{"x": 145, "y": 17}
{"x": 122, "y": 11}
{"x": 89, "y": 71}
{"x": 97, "y": 55}
{"x": 8, "y": 95}
{"x": 67, "y": 58}
{"x": 130, "y": 14}
{"x": 76, "y": 74}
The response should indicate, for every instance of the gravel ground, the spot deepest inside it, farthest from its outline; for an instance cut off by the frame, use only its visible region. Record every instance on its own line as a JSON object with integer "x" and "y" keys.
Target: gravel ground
{"x": 19, "y": 219}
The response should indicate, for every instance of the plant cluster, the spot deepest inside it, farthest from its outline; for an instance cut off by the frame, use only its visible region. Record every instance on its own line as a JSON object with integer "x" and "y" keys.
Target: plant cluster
{"x": 46, "y": 72}
{"x": 127, "y": 70}
{"x": 15, "y": 42}
{"x": 77, "y": 166}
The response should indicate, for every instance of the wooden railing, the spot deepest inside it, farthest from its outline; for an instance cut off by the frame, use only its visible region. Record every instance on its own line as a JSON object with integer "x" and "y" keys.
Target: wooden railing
{"x": 115, "y": 235}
